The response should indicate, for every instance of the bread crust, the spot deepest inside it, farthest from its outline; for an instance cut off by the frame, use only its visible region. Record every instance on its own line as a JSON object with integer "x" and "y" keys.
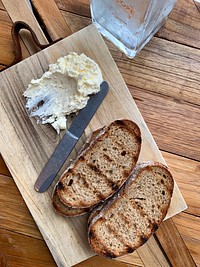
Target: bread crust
{"x": 63, "y": 187}
{"x": 102, "y": 235}
{"x": 64, "y": 210}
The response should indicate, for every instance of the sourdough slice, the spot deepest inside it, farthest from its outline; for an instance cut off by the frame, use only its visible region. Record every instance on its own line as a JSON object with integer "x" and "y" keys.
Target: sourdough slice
{"x": 59, "y": 207}
{"x": 103, "y": 167}
{"x": 125, "y": 222}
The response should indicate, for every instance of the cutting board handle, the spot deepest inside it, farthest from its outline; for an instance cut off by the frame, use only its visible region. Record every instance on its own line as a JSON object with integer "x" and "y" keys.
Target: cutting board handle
{"x": 17, "y": 26}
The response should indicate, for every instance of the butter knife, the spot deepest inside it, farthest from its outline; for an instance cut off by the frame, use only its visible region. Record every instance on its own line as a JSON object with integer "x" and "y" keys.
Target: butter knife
{"x": 70, "y": 139}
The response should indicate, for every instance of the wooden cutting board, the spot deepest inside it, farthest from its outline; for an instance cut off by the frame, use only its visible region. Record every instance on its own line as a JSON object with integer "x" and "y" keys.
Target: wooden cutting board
{"x": 26, "y": 145}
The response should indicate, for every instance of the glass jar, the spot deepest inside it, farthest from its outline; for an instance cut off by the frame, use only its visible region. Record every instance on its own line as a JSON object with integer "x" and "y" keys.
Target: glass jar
{"x": 130, "y": 24}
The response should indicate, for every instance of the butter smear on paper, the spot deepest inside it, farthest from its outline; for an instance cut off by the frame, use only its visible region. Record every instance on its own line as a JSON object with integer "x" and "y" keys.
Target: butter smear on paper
{"x": 63, "y": 89}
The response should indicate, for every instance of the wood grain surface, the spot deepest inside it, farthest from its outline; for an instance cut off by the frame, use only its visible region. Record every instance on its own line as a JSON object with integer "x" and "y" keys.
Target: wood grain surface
{"x": 182, "y": 29}
{"x": 35, "y": 143}
{"x": 164, "y": 77}
{"x": 6, "y": 43}
{"x": 20, "y": 10}
{"x": 52, "y": 19}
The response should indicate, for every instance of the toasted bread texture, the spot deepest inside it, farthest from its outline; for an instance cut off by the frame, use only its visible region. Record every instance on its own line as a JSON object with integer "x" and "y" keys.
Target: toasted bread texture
{"x": 64, "y": 210}
{"x": 59, "y": 207}
{"x": 133, "y": 213}
{"x": 102, "y": 167}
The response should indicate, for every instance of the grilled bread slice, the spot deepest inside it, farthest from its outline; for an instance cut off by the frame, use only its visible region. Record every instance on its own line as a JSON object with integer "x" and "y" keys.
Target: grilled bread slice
{"x": 102, "y": 167}
{"x": 133, "y": 213}
{"x": 59, "y": 207}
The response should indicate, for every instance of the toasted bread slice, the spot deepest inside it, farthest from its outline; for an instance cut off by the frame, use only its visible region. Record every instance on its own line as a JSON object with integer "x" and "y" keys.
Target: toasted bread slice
{"x": 102, "y": 167}
{"x": 59, "y": 207}
{"x": 133, "y": 213}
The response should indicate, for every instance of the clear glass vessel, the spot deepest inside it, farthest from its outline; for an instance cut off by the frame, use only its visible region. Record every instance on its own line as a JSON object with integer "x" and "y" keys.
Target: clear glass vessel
{"x": 130, "y": 24}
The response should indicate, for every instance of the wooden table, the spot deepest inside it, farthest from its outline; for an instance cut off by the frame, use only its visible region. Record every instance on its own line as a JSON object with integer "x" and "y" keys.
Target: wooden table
{"x": 164, "y": 80}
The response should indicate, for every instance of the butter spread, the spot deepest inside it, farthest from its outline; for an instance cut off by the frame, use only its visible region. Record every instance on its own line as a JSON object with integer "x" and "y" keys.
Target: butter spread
{"x": 63, "y": 89}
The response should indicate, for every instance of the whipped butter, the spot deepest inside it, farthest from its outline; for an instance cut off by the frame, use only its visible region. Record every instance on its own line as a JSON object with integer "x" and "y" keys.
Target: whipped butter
{"x": 63, "y": 89}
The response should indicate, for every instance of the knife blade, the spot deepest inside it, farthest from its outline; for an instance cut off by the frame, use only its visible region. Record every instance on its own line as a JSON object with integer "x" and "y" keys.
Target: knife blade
{"x": 70, "y": 139}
